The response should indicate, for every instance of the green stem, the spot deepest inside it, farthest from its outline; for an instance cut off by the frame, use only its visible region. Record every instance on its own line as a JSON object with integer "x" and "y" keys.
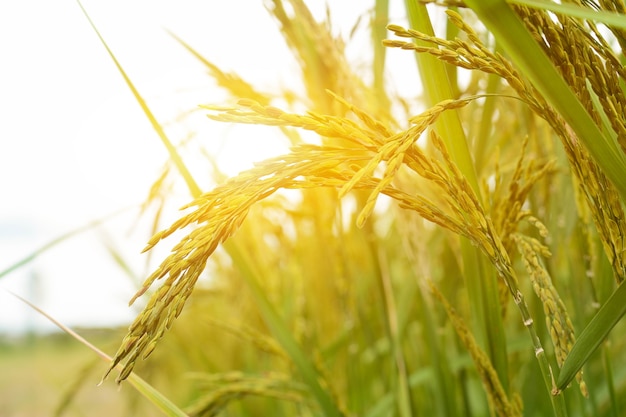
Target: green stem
{"x": 558, "y": 401}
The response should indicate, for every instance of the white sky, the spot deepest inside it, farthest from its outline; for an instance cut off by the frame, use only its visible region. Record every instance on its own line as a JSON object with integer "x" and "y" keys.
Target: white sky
{"x": 74, "y": 145}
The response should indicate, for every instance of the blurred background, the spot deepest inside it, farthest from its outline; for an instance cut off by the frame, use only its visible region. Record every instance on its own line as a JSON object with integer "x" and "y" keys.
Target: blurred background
{"x": 76, "y": 147}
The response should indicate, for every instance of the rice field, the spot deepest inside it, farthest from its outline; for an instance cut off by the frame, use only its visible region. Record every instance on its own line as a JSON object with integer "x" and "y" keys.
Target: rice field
{"x": 465, "y": 259}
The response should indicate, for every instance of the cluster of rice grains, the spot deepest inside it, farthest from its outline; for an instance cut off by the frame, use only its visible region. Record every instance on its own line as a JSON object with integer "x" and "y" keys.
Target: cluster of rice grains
{"x": 373, "y": 156}
{"x": 589, "y": 65}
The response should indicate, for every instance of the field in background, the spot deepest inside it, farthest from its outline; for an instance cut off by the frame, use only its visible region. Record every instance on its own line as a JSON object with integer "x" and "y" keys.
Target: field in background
{"x": 39, "y": 371}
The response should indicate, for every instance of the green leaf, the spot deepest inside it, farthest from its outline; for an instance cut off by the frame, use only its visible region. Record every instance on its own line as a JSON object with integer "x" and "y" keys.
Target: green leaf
{"x": 609, "y": 18}
{"x": 593, "y": 335}
{"x": 171, "y": 149}
{"x": 58, "y": 240}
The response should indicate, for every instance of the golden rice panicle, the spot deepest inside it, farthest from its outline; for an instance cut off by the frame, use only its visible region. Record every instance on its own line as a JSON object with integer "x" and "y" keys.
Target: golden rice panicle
{"x": 250, "y": 112}
{"x": 428, "y": 210}
{"x": 219, "y": 213}
{"x": 502, "y": 404}
{"x": 616, "y": 7}
{"x": 461, "y": 196}
{"x": 603, "y": 204}
{"x": 395, "y": 151}
{"x": 599, "y": 192}
{"x": 611, "y": 223}
{"x": 453, "y": 52}
{"x": 371, "y": 123}
{"x": 473, "y": 55}
{"x": 476, "y": 226}
{"x": 601, "y": 199}
{"x": 392, "y": 152}
{"x": 222, "y": 211}
{"x": 508, "y": 199}
{"x": 558, "y": 321}
{"x": 579, "y": 56}
{"x": 584, "y": 61}
{"x": 605, "y": 207}
{"x": 506, "y": 207}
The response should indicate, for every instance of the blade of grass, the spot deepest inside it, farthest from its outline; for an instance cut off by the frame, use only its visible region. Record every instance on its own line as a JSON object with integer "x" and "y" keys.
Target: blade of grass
{"x": 519, "y": 44}
{"x": 574, "y": 10}
{"x": 437, "y": 88}
{"x": 309, "y": 373}
{"x": 592, "y": 336}
{"x": 58, "y": 240}
{"x": 148, "y": 391}
{"x": 171, "y": 149}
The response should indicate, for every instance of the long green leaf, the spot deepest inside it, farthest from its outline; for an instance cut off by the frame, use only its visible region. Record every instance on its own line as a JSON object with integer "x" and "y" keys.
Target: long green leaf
{"x": 171, "y": 149}
{"x": 569, "y": 9}
{"x": 593, "y": 335}
{"x": 58, "y": 240}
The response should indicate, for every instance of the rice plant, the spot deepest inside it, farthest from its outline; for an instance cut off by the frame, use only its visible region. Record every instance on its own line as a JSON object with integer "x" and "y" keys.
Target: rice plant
{"x": 463, "y": 260}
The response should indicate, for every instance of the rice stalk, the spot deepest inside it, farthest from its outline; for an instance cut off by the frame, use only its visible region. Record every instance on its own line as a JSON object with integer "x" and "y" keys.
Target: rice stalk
{"x": 557, "y": 318}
